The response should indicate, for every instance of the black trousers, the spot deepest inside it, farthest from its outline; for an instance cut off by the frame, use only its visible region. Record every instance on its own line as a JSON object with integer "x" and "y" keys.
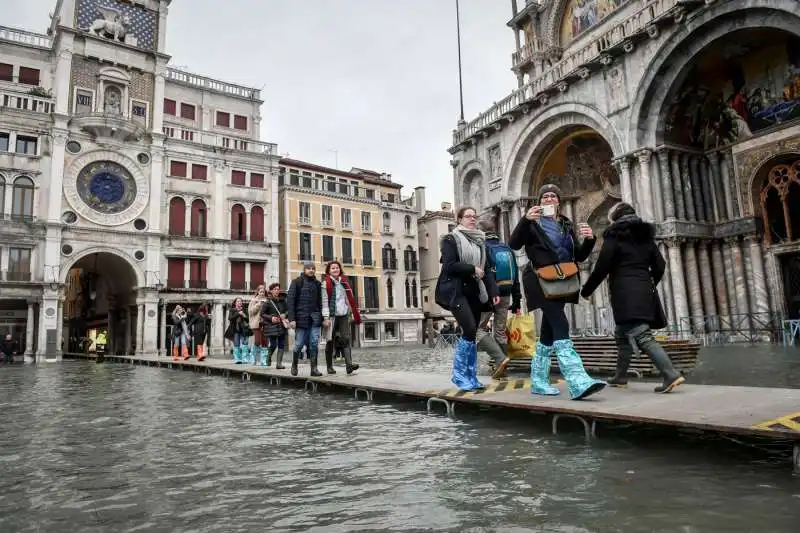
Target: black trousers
{"x": 555, "y": 326}
{"x": 467, "y": 313}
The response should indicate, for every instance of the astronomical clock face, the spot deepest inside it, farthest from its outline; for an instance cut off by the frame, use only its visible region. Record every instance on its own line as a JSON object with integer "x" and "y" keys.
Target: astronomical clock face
{"x": 106, "y": 187}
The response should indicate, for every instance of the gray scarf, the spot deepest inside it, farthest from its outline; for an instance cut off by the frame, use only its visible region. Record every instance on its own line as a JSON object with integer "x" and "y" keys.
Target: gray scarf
{"x": 472, "y": 249}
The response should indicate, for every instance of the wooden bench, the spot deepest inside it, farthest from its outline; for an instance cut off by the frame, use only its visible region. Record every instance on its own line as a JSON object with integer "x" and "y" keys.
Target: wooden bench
{"x": 599, "y": 356}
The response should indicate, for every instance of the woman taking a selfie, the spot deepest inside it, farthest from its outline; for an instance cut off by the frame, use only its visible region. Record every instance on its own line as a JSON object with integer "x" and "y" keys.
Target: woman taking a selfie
{"x": 550, "y": 281}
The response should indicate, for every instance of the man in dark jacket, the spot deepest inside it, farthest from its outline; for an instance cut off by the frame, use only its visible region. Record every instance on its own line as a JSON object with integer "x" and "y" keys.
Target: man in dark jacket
{"x": 304, "y": 312}
{"x": 8, "y": 349}
{"x": 631, "y": 260}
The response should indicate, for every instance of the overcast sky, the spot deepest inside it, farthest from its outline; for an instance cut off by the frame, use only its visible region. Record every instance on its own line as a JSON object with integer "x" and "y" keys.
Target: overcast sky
{"x": 375, "y": 80}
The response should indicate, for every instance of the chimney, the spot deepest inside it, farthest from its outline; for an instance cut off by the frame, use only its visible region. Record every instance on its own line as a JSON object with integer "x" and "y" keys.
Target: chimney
{"x": 447, "y": 207}
{"x": 419, "y": 200}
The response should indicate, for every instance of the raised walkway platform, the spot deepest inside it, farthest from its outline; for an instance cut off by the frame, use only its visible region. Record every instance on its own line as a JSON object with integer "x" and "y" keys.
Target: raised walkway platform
{"x": 768, "y": 413}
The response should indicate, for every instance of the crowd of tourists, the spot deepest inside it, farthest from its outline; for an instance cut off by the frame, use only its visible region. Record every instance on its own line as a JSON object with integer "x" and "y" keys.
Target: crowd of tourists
{"x": 479, "y": 283}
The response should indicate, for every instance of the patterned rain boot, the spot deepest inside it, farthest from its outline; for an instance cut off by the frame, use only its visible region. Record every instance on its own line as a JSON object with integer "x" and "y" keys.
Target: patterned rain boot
{"x": 540, "y": 372}
{"x": 251, "y": 354}
{"x": 262, "y": 352}
{"x": 185, "y": 353}
{"x": 579, "y": 383}
{"x": 237, "y": 355}
{"x": 461, "y": 375}
{"x": 201, "y": 352}
{"x": 176, "y": 353}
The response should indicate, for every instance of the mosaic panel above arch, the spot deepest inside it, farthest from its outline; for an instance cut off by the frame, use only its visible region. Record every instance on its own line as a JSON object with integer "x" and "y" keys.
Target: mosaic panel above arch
{"x": 578, "y": 163}
{"x": 580, "y": 16}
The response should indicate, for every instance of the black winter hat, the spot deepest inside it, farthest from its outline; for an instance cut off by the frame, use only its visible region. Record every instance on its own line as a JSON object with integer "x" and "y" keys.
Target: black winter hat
{"x": 549, "y": 187}
{"x": 620, "y": 210}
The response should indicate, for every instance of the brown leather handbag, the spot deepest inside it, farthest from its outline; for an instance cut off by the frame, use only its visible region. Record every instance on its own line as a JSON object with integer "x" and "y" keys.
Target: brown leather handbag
{"x": 559, "y": 281}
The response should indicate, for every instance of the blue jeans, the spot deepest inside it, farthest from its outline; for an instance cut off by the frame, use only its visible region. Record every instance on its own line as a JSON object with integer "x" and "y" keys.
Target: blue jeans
{"x": 239, "y": 340}
{"x": 308, "y": 337}
{"x": 277, "y": 343}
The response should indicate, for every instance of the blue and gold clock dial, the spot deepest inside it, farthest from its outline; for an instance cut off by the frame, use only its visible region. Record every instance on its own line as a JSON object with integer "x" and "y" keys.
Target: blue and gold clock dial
{"x": 106, "y": 187}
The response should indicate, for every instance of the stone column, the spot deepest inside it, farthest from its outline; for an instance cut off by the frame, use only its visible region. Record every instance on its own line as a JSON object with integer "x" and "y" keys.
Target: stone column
{"x": 759, "y": 296}
{"x": 665, "y": 286}
{"x": 162, "y": 343}
{"x": 728, "y": 177}
{"x": 29, "y": 328}
{"x": 709, "y": 300}
{"x": 677, "y": 184}
{"x": 694, "y": 290}
{"x": 646, "y": 201}
{"x": 740, "y": 283}
{"x": 678, "y": 283}
{"x": 716, "y": 184}
{"x": 588, "y": 310}
{"x": 730, "y": 278}
{"x": 712, "y": 210}
{"x": 720, "y": 290}
{"x": 218, "y": 331}
{"x": 697, "y": 188}
{"x": 139, "y": 329}
{"x": 150, "y": 334}
{"x": 128, "y": 330}
{"x": 59, "y": 329}
{"x": 688, "y": 188}
{"x": 624, "y": 169}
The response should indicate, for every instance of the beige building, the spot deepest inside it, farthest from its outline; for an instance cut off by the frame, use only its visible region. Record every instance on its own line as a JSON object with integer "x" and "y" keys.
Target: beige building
{"x": 433, "y": 225}
{"x": 358, "y": 218}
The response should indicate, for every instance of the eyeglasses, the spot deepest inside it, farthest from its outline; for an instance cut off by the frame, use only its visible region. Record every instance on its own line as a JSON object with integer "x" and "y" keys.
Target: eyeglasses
{"x": 470, "y": 216}
{"x": 550, "y": 196}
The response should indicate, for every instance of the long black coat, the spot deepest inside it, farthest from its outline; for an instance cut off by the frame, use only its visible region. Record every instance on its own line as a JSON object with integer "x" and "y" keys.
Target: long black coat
{"x": 464, "y": 273}
{"x": 273, "y": 308}
{"x": 630, "y": 259}
{"x": 529, "y": 235}
{"x": 304, "y": 302}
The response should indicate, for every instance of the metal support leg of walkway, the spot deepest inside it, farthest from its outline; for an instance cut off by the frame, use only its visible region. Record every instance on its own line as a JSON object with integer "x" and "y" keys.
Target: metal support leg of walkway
{"x": 589, "y": 428}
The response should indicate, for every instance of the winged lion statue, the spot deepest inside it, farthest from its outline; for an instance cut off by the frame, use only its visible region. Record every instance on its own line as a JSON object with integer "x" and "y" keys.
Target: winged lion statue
{"x": 113, "y": 23}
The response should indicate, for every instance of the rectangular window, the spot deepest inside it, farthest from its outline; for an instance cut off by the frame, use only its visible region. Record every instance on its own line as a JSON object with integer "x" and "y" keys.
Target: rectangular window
{"x": 187, "y": 111}
{"x": 355, "y": 284}
{"x": 327, "y": 248}
{"x": 366, "y": 253}
{"x": 83, "y": 102}
{"x": 139, "y": 112}
{"x": 4, "y": 140}
{"x": 19, "y": 264}
{"x": 366, "y": 221}
{"x": 330, "y": 185}
{"x": 197, "y": 274}
{"x": 371, "y": 300}
{"x": 307, "y": 182}
{"x": 327, "y": 215}
{"x": 370, "y": 194}
{"x": 304, "y": 212}
{"x": 175, "y": 273}
{"x": 239, "y": 177}
{"x": 223, "y": 119}
{"x": 347, "y": 219}
{"x": 240, "y": 122}
{"x": 26, "y": 145}
{"x": 256, "y": 275}
{"x": 294, "y": 179}
{"x": 177, "y": 169}
{"x": 6, "y": 72}
{"x": 305, "y": 247}
{"x": 390, "y": 198}
{"x": 347, "y": 251}
{"x": 199, "y": 172}
{"x": 170, "y": 107}
{"x": 257, "y": 180}
{"x": 390, "y": 330}
{"x": 29, "y": 76}
{"x": 238, "y": 282}
{"x": 370, "y": 331}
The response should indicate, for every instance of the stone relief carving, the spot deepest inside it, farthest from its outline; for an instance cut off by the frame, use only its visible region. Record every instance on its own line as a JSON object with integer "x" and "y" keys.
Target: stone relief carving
{"x": 113, "y": 100}
{"x": 495, "y": 162}
{"x": 616, "y": 89}
{"x": 112, "y": 24}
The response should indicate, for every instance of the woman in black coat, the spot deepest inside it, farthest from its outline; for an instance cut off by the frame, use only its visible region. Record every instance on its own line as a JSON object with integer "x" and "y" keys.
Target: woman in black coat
{"x": 466, "y": 288}
{"x": 634, "y": 267}
{"x": 273, "y": 315}
{"x": 549, "y": 238}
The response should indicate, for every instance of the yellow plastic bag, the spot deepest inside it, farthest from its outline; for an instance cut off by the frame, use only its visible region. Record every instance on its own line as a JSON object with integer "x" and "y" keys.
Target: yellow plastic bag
{"x": 521, "y": 335}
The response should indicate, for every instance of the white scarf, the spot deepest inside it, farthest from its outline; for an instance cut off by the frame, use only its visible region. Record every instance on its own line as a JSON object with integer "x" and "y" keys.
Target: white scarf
{"x": 472, "y": 249}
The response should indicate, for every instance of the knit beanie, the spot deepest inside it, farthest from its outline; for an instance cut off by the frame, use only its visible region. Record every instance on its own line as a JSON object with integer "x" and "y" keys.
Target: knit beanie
{"x": 549, "y": 187}
{"x": 308, "y": 264}
{"x": 620, "y": 210}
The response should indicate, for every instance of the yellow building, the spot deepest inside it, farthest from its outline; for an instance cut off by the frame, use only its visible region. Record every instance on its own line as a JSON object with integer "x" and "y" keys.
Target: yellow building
{"x": 328, "y": 214}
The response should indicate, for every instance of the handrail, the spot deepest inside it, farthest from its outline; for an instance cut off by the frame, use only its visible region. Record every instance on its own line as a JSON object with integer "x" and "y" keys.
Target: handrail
{"x": 28, "y": 38}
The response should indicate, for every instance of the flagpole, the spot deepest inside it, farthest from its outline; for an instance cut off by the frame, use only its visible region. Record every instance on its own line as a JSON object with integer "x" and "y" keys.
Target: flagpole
{"x": 460, "y": 79}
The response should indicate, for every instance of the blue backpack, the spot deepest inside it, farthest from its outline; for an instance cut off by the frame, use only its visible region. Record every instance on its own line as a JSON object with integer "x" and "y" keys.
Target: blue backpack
{"x": 504, "y": 266}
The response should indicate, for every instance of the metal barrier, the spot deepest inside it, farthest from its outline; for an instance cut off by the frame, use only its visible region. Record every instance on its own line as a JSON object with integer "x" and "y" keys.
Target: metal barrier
{"x": 730, "y": 329}
{"x": 791, "y": 331}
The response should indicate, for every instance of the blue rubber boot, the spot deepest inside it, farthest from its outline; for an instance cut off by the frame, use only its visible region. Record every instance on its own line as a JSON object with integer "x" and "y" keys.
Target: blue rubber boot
{"x": 540, "y": 372}
{"x": 463, "y": 376}
{"x": 237, "y": 355}
{"x": 580, "y": 384}
{"x": 263, "y": 356}
{"x": 473, "y": 367}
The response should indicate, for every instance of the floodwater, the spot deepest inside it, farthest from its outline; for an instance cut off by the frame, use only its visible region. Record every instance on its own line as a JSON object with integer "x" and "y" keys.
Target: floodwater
{"x": 116, "y": 448}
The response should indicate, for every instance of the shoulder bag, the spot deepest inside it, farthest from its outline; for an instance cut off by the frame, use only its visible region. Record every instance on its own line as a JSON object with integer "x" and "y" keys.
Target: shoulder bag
{"x": 284, "y": 322}
{"x": 559, "y": 280}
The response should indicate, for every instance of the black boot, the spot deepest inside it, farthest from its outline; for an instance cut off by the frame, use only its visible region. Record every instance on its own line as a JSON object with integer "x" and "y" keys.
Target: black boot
{"x": 348, "y": 360}
{"x": 315, "y": 373}
{"x": 329, "y": 357}
{"x": 624, "y": 356}
{"x": 279, "y": 360}
{"x": 649, "y": 345}
{"x": 295, "y": 360}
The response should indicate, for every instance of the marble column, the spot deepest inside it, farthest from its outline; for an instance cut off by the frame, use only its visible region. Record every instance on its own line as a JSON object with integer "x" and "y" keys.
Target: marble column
{"x": 646, "y": 202}
{"x": 667, "y": 187}
{"x": 709, "y": 299}
{"x": 677, "y": 185}
{"x": 728, "y": 177}
{"x": 140, "y": 329}
{"x": 688, "y": 188}
{"x": 162, "y": 327}
{"x": 720, "y": 290}
{"x": 29, "y": 328}
{"x": 740, "y": 283}
{"x": 128, "y": 330}
{"x": 59, "y": 329}
{"x": 623, "y": 165}
{"x": 716, "y": 184}
{"x": 665, "y": 286}
{"x": 678, "y": 284}
{"x": 588, "y": 307}
{"x": 730, "y": 280}
{"x": 217, "y": 344}
{"x": 697, "y": 188}
{"x": 505, "y": 221}
{"x": 759, "y": 296}
{"x": 712, "y": 210}
{"x": 693, "y": 287}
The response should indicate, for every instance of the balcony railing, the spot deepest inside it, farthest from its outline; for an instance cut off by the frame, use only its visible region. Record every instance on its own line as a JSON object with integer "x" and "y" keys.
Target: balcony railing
{"x": 220, "y": 141}
{"x": 187, "y": 284}
{"x": 26, "y": 102}
{"x": 348, "y": 261}
{"x": 366, "y": 228}
{"x": 25, "y": 37}
{"x": 306, "y": 257}
{"x": 347, "y": 226}
{"x": 198, "y": 284}
{"x": 411, "y": 266}
{"x": 16, "y": 276}
{"x": 327, "y": 223}
{"x": 387, "y": 229}
{"x": 368, "y": 263}
{"x": 187, "y": 78}
{"x": 304, "y": 221}
{"x": 389, "y": 264}
{"x": 15, "y": 217}
{"x": 589, "y": 53}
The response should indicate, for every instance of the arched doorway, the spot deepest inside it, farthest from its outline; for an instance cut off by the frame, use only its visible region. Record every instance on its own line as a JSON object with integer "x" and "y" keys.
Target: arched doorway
{"x": 99, "y": 293}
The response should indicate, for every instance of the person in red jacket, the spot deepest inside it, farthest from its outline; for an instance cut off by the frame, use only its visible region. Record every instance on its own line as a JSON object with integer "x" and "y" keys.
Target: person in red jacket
{"x": 338, "y": 305}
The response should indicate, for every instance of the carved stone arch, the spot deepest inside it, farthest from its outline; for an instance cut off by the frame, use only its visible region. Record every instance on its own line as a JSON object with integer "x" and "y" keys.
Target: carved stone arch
{"x": 552, "y": 26}
{"x": 708, "y": 25}
{"x": 116, "y": 252}
{"x": 758, "y": 179}
{"x": 474, "y": 169}
{"x": 114, "y": 74}
{"x": 536, "y": 139}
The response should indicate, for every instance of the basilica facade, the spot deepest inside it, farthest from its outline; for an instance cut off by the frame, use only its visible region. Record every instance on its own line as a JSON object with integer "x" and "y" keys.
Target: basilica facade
{"x": 690, "y": 110}
{"x": 126, "y": 186}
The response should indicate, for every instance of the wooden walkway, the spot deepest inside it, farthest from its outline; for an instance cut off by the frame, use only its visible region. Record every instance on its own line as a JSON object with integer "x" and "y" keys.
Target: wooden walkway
{"x": 751, "y": 411}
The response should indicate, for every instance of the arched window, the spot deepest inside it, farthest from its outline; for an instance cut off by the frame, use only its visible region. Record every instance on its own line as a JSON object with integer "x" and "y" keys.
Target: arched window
{"x": 257, "y": 224}
{"x": 389, "y": 257}
{"x": 407, "y": 222}
{"x": 410, "y": 259}
{"x": 414, "y": 293}
{"x": 199, "y": 219}
{"x": 238, "y": 223}
{"x": 389, "y": 293}
{"x": 2, "y": 195}
{"x": 408, "y": 294}
{"x": 387, "y": 223}
{"x": 177, "y": 216}
{"x": 782, "y": 189}
{"x": 22, "y": 199}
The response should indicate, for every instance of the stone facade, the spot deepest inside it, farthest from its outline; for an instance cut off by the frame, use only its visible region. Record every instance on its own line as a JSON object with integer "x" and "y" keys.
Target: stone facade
{"x": 126, "y": 186}
{"x": 676, "y": 93}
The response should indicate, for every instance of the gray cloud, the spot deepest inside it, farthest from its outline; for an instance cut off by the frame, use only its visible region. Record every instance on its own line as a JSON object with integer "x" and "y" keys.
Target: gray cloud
{"x": 375, "y": 80}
